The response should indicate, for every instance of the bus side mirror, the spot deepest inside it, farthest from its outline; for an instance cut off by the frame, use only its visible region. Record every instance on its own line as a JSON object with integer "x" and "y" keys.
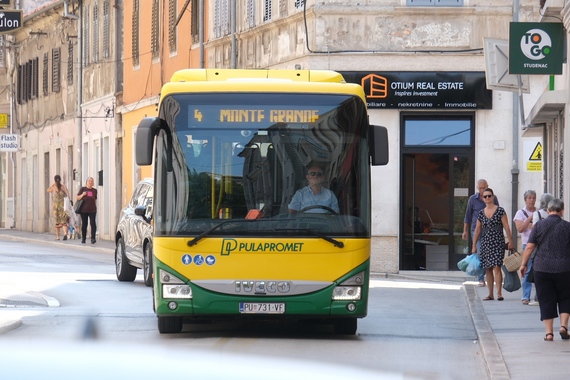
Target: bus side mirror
{"x": 148, "y": 128}
{"x": 378, "y": 145}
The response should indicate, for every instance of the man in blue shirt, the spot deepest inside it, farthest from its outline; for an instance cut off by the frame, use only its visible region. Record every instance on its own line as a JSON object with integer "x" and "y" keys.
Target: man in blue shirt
{"x": 474, "y": 205}
{"x": 314, "y": 194}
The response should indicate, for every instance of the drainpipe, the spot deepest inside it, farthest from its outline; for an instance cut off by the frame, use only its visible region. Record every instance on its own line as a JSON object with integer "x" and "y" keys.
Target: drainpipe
{"x": 12, "y": 107}
{"x": 201, "y": 33}
{"x": 79, "y": 131}
{"x": 515, "y": 169}
{"x": 233, "y": 26}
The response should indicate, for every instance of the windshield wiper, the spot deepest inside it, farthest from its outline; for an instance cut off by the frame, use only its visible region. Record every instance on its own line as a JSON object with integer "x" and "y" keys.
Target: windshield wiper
{"x": 334, "y": 242}
{"x": 215, "y": 227}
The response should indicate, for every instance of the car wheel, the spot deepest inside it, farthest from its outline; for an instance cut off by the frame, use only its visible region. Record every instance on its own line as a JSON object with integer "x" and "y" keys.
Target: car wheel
{"x": 147, "y": 263}
{"x": 345, "y": 326}
{"x": 125, "y": 271}
{"x": 169, "y": 325}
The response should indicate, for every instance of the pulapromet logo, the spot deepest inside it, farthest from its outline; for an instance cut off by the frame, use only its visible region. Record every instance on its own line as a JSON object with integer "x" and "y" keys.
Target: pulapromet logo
{"x": 233, "y": 245}
{"x": 536, "y": 44}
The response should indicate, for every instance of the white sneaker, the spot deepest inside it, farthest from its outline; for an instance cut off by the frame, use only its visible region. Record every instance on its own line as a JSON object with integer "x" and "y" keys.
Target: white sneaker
{"x": 533, "y": 303}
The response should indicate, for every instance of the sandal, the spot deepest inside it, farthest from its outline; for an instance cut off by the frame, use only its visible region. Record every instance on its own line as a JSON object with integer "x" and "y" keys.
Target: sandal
{"x": 488, "y": 298}
{"x": 500, "y": 298}
{"x": 546, "y": 337}
{"x": 564, "y": 333}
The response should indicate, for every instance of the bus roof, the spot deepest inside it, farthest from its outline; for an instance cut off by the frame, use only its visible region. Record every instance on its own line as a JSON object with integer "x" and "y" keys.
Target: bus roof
{"x": 244, "y": 80}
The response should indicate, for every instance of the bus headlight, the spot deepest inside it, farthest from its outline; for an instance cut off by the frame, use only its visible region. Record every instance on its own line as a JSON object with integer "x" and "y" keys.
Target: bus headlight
{"x": 176, "y": 291}
{"x": 346, "y": 293}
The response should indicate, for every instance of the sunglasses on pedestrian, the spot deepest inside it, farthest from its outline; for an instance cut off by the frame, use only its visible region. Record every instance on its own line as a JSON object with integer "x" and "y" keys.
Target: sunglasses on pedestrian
{"x": 315, "y": 174}
{"x": 487, "y": 196}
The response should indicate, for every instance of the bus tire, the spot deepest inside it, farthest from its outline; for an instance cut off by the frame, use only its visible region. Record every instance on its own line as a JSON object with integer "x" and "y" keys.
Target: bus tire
{"x": 345, "y": 326}
{"x": 125, "y": 271}
{"x": 169, "y": 325}
{"x": 147, "y": 263}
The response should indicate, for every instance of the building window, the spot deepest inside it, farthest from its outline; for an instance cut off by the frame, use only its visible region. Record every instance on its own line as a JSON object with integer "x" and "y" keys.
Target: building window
{"x": 299, "y": 4}
{"x": 195, "y": 23}
{"x": 86, "y": 36}
{"x": 45, "y": 75}
{"x": 69, "y": 64}
{"x": 221, "y": 18}
{"x": 250, "y": 15}
{"x": 95, "y": 33}
{"x": 438, "y": 131}
{"x": 106, "y": 26}
{"x": 34, "y": 86}
{"x": 267, "y": 11}
{"x": 55, "y": 69}
{"x": 436, "y": 3}
{"x": 172, "y": 28}
{"x": 135, "y": 30}
{"x": 154, "y": 38}
{"x": 2, "y": 51}
{"x": 283, "y": 8}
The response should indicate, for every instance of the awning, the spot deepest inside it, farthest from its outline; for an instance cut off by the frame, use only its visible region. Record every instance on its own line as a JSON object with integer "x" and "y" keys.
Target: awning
{"x": 547, "y": 107}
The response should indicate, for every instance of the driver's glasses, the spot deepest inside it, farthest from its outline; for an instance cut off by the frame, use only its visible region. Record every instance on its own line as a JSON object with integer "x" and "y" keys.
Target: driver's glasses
{"x": 315, "y": 174}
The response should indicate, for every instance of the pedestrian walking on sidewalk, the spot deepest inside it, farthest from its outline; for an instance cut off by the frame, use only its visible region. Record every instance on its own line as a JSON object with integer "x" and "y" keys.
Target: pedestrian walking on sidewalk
{"x": 60, "y": 192}
{"x": 523, "y": 221}
{"x": 490, "y": 224}
{"x": 89, "y": 209}
{"x": 541, "y": 213}
{"x": 551, "y": 237}
{"x": 474, "y": 205}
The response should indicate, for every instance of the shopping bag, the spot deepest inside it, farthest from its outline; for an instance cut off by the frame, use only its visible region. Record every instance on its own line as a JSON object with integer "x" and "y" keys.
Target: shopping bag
{"x": 512, "y": 260}
{"x": 462, "y": 264}
{"x": 67, "y": 206}
{"x": 511, "y": 281}
{"x": 474, "y": 267}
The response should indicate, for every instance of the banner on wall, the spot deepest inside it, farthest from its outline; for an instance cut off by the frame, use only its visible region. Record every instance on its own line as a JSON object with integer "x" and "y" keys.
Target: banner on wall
{"x": 532, "y": 153}
{"x": 423, "y": 90}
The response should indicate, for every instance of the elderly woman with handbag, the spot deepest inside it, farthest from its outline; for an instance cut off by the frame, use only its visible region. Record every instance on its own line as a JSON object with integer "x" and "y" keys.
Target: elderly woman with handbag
{"x": 88, "y": 194}
{"x": 551, "y": 238}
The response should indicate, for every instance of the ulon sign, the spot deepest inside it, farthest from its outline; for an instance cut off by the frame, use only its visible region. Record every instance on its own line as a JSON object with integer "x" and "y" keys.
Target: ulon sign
{"x": 10, "y": 20}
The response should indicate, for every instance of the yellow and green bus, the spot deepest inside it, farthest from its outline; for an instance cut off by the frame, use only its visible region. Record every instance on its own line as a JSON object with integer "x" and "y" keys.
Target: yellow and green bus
{"x": 230, "y": 148}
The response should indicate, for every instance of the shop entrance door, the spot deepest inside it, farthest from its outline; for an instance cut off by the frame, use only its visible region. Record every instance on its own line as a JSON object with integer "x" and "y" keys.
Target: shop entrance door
{"x": 436, "y": 181}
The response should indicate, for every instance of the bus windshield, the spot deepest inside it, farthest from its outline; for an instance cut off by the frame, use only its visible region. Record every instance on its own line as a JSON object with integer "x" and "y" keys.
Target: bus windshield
{"x": 238, "y": 160}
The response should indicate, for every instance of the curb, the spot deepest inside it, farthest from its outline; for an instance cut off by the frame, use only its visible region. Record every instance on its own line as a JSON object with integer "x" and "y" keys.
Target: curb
{"x": 9, "y": 325}
{"x": 494, "y": 361}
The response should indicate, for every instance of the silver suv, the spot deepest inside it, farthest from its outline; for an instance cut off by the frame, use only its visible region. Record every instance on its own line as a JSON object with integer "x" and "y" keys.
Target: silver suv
{"x": 133, "y": 239}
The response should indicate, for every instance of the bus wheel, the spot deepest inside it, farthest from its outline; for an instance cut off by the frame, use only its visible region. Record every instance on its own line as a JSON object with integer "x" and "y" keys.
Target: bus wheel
{"x": 345, "y": 326}
{"x": 147, "y": 263}
{"x": 125, "y": 271}
{"x": 169, "y": 325}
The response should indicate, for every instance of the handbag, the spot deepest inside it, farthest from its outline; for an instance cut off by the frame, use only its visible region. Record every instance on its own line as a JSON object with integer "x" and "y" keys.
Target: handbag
{"x": 513, "y": 260}
{"x": 77, "y": 207}
{"x": 511, "y": 281}
{"x": 530, "y": 277}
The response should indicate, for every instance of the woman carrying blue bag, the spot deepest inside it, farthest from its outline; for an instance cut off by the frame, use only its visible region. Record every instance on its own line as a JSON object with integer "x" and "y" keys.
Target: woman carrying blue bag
{"x": 490, "y": 224}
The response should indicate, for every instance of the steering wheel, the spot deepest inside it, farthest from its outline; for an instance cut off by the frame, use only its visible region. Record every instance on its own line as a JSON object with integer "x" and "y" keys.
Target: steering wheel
{"x": 330, "y": 210}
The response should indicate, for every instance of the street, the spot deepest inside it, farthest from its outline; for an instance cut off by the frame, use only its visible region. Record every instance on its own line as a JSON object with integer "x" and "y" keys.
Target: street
{"x": 408, "y": 330}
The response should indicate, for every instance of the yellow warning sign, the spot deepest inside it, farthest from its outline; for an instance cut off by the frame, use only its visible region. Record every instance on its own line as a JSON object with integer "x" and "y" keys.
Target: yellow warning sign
{"x": 534, "y": 166}
{"x": 536, "y": 154}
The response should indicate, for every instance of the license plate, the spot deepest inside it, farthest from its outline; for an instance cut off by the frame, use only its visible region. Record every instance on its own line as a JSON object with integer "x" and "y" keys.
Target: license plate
{"x": 261, "y": 308}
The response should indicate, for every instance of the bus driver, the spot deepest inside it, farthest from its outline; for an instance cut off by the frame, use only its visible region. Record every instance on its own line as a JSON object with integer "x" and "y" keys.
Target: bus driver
{"x": 314, "y": 198}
